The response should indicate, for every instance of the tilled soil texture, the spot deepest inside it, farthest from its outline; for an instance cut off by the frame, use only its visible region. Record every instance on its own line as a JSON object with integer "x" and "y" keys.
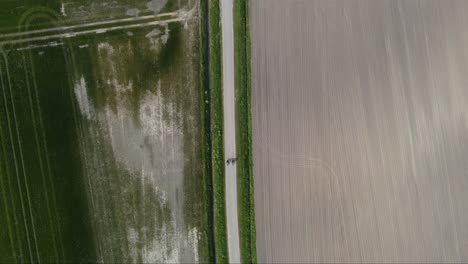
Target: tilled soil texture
{"x": 360, "y": 130}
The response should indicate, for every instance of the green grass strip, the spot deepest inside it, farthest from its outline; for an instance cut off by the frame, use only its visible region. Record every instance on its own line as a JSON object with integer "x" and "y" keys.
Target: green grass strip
{"x": 217, "y": 147}
{"x": 206, "y": 130}
{"x": 245, "y": 182}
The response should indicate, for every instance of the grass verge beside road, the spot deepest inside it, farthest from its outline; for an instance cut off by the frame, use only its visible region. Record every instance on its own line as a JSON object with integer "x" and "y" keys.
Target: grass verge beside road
{"x": 217, "y": 147}
{"x": 206, "y": 128}
{"x": 245, "y": 182}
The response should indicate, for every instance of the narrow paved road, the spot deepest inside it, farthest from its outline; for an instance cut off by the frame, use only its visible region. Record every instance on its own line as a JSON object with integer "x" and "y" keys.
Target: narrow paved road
{"x": 230, "y": 129}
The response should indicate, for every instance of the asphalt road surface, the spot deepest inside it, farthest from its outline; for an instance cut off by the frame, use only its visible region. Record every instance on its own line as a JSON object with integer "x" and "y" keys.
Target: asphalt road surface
{"x": 360, "y": 130}
{"x": 230, "y": 129}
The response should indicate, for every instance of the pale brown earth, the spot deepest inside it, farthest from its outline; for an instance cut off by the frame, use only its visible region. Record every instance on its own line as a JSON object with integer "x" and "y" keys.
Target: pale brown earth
{"x": 360, "y": 130}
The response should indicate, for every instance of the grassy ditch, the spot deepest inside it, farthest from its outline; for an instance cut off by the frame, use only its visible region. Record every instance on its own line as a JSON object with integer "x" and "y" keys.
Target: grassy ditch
{"x": 216, "y": 118}
{"x": 245, "y": 184}
{"x": 206, "y": 127}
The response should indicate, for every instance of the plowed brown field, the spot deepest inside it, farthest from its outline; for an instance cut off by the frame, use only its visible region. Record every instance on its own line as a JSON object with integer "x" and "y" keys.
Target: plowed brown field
{"x": 360, "y": 130}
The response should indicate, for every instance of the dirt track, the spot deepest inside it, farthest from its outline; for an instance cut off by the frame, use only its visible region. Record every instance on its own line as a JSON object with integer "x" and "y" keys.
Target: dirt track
{"x": 360, "y": 130}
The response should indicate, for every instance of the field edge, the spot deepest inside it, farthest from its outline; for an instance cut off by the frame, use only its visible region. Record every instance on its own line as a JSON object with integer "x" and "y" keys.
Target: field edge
{"x": 217, "y": 136}
{"x": 206, "y": 130}
{"x": 245, "y": 186}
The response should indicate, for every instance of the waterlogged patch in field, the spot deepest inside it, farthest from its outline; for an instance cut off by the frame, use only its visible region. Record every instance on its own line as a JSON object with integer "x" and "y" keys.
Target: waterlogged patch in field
{"x": 100, "y": 136}
{"x": 145, "y": 117}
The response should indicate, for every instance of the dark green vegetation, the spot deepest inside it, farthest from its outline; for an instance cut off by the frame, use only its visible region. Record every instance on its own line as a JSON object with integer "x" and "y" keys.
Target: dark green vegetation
{"x": 100, "y": 157}
{"x": 245, "y": 184}
{"x": 46, "y": 216}
{"x": 206, "y": 127}
{"x": 217, "y": 144}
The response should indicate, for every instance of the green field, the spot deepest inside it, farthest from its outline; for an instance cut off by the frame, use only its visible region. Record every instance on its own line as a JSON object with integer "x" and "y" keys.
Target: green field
{"x": 100, "y": 133}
